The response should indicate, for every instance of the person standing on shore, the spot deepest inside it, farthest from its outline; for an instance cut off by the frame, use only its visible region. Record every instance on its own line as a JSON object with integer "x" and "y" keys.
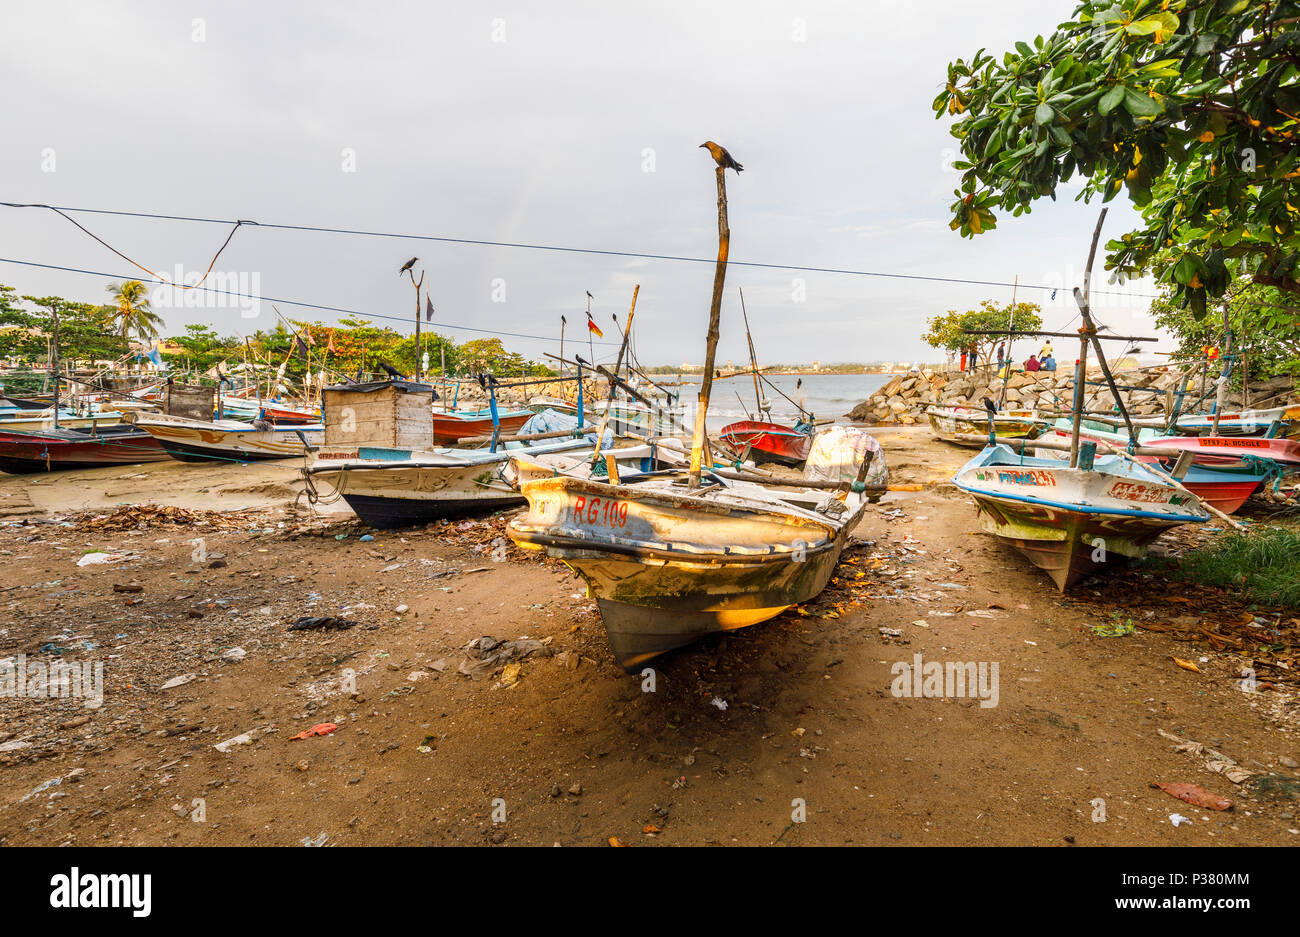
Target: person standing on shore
{"x": 1002, "y": 356}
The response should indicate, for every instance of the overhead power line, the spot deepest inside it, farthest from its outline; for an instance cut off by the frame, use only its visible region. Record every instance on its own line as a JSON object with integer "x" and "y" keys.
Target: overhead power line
{"x": 520, "y": 245}
{"x": 291, "y": 302}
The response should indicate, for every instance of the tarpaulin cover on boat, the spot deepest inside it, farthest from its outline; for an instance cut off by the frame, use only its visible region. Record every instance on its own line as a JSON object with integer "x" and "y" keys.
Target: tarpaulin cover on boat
{"x": 837, "y": 452}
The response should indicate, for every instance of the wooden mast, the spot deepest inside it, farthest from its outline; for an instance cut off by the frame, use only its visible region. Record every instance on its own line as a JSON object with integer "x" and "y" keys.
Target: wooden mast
{"x": 753, "y": 359}
{"x": 699, "y": 442}
{"x": 1081, "y": 369}
{"x": 613, "y": 384}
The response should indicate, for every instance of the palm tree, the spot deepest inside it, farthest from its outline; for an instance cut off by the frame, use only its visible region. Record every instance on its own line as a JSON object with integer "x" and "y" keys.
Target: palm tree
{"x": 132, "y": 311}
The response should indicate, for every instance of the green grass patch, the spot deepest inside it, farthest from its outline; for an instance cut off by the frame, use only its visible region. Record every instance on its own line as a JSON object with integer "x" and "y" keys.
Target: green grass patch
{"x": 1263, "y": 562}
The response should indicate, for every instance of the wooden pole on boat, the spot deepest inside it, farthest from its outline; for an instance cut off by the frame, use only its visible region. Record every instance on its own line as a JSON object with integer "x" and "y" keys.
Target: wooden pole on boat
{"x": 1081, "y": 369}
{"x": 613, "y": 384}
{"x": 417, "y": 286}
{"x": 753, "y": 359}
{"x": 54, "y": 362}
{"x": 699, "y": 442}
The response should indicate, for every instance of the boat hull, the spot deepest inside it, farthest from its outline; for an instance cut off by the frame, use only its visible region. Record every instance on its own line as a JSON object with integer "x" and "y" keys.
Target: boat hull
{"x": 24, "y": 454}
{"x": 390, "y": 488}
{"x": 1224, "y": 486}
{"x": 408, "y": 495}
{"x": 949, "y": 423}
{"x": 1068, "y": 522}
{"x": 669, "y": 569}
{"x": 1230, "y": 450}
{"x": 450, "y": 428}
{"x": 767, "y": 442}
{"x": 195, "y": 441}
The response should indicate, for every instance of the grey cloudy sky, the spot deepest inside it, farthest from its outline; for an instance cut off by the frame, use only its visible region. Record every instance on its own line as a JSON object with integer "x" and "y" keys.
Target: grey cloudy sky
{"x": 536, "y": 123}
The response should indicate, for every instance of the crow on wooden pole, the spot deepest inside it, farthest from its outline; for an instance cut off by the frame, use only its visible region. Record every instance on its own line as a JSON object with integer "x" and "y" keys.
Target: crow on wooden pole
{"x": 699, "y": 442}
{"x": 407, "y": 268}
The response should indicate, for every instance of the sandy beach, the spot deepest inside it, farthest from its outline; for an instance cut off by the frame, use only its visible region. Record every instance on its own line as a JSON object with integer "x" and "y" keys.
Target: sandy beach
{"x": 437, "y": 745}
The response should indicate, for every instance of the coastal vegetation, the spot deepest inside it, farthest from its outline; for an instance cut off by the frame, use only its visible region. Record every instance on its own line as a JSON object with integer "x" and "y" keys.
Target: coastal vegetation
{"x": 1263, "y": 562}
{"x": 951, "y": 331}
{"x": 1188, "y": 107}
{"x": 94, "y": 332}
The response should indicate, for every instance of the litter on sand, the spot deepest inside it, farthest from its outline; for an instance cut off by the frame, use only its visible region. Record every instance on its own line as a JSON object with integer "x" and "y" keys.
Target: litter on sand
{"x": 323, "y": 728}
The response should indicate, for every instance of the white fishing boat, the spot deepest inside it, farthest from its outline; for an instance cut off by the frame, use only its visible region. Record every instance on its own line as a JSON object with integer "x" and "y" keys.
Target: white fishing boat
{"x": 1071, "y": 522}
{"x": 388, "y": 487}
{"x": 669, "y": 564}
{"x": 190, "y": 440}
{"x": 39, "y": 421}
{"x": 1230, "y": 423}
{"x": 949, "y": 423}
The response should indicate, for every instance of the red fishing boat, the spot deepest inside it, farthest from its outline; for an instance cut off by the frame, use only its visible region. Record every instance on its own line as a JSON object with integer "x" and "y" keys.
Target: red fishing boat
{"x": 46, "y": 451}
{"x": 767, "y": 442}
{"x": 453, "y": 425}
{"x": 289, "y": 415}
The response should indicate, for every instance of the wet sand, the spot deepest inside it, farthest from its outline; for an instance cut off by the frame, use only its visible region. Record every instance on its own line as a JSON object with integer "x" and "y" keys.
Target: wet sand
{"x": 740, "y": 733}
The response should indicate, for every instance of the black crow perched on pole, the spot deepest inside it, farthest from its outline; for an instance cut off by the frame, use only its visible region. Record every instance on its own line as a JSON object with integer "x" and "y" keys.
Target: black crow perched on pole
{"x": 721, "y": 156}
{"x": 407, "y": 266}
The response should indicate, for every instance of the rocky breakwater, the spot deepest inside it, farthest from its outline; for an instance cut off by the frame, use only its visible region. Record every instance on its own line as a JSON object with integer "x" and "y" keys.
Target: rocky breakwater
{"x": 904, "y": 399}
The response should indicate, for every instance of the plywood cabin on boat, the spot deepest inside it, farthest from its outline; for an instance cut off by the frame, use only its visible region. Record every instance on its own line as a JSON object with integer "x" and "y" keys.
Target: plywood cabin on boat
{"x": 189, "y": 400}
{"x": 394, "y": 415}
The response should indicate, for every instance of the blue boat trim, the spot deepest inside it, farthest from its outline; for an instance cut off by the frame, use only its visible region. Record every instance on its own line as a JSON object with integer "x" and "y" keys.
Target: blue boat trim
{"x": 1084, "y": 508}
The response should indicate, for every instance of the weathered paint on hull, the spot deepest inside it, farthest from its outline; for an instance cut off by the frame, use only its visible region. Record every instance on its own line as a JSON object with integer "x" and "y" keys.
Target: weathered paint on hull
{"x": 190, "y": 443}
{"x": 948, "y": 428}
{"x": 449, "y": 429}
{"x": 409, "y": 496}
{"x": 657, "y": 585}
{"x": 1064, "y": 544}
{"x": 391, "y": 513}
{"x": 24, "y": 456}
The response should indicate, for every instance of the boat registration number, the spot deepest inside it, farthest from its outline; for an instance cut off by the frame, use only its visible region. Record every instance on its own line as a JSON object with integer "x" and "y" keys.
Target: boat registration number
{"x": 600, "y": 512}
{"x": 1027, "y": 477}
{"x": 1130, "y": 491}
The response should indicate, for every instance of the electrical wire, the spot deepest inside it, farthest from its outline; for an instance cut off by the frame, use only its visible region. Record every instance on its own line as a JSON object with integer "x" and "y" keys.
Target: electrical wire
{"x": 289, "y": 302}
{"x": 520, "y": 245}
{"x": 62, "y": 213}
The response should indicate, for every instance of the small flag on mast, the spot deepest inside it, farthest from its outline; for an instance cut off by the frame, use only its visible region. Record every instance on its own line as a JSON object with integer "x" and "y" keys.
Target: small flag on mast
{"x": 593, "y": 327}
{"x": 428, "y": 309}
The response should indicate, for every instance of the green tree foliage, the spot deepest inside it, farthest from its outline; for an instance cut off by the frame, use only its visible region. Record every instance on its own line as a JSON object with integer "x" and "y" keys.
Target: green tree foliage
{"x": 132, "y": 311}
{"x": 1260, "y": 322}
{"x": 203, "y": 347}
{"x": 948, "y": 331}
{"x": 89, "y": 332}
{"x": 1189, "y": 105}
{"x": 82, "y": 336}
